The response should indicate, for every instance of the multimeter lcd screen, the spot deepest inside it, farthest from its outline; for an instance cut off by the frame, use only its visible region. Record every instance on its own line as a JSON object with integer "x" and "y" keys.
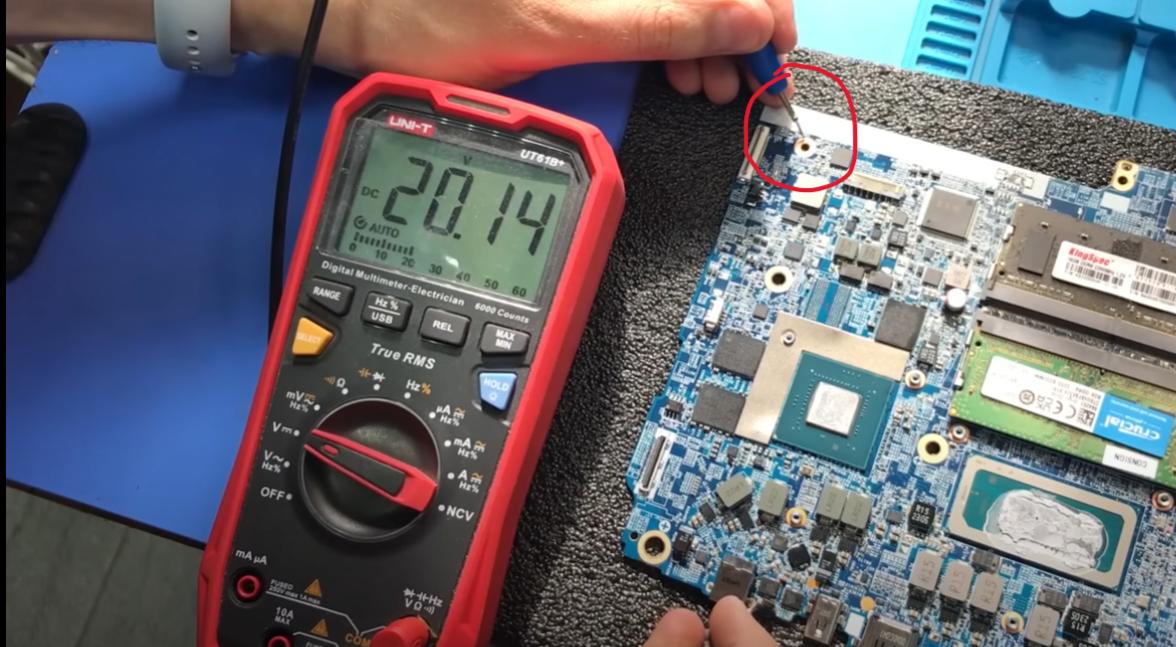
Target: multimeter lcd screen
{"x": 433, "y": 208}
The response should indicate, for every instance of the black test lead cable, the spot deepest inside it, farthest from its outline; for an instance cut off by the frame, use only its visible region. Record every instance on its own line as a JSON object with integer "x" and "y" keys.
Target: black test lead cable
{"x": 286, "y": 160}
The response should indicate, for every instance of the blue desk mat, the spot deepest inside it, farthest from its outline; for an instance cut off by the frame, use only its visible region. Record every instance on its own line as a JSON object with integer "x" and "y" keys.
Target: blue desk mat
{"x": 1113, "y": 56}
{"x": 135, "y": 339}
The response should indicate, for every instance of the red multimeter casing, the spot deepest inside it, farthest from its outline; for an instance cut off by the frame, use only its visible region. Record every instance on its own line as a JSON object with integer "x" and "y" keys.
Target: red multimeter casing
{"x": 411, "y": 376}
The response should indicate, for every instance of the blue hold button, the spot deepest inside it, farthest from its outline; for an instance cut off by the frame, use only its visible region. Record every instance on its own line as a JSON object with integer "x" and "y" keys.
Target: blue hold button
{"x": 496, "y": 389}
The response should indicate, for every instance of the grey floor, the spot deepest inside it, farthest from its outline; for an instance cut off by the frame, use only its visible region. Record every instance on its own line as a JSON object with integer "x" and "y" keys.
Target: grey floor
{"x": 74, "y": 579}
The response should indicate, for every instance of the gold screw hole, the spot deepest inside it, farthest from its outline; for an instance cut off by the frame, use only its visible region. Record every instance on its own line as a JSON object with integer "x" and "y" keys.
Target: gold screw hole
{"x": 654, "y": 547}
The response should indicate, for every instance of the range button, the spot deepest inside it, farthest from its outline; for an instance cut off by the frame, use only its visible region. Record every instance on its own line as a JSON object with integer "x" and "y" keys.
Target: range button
{"x": 386, "y": 311}
{"x": 333, "y": 296}
{"x": 500, "y": 340}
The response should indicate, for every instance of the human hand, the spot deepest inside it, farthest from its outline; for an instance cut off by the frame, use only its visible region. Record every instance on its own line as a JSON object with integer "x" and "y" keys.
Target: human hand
{"x": 491, "y": 43}
{"x": 731, "y": 625}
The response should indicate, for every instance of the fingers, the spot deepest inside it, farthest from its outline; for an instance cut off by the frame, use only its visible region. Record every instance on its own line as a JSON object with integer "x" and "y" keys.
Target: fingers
{"x": 670, "y": 29}
{"x": 720, "y": 79}
{"x": 784, "y": 39}
{"x": 684, "y": 76}
{"x": 784, "y": 25}
{"x": 715, "y": 76}
{"x": 678, "y": 628}
{"x": 731, "y": 625}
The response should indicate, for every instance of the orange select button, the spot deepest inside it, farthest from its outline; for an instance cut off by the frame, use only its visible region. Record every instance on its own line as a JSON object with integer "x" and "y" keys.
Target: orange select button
{"x": 311, "y": 339}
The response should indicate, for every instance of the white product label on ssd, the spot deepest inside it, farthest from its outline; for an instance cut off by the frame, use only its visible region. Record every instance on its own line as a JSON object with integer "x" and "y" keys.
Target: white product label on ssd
{"x": 1121, "y": 277}
{"x": 1049, "y": 396}
{"x": 1125, "y": 460}
{"x": 1108, "y": 416}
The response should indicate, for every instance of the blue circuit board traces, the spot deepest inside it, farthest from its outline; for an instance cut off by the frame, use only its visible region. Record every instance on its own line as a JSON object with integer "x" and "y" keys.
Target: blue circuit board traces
{"x": 872, "y": 574}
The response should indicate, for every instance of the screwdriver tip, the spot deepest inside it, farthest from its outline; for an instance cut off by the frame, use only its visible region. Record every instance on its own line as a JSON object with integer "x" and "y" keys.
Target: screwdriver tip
{"x": 792, "y": 116}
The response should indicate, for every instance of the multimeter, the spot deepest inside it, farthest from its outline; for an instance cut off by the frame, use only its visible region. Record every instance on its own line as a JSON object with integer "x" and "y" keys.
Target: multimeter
{"x": 450, "y": 251}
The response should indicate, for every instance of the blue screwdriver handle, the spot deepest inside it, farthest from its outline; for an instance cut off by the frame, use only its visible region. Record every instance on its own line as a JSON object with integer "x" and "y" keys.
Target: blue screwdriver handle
{"x": 763, "y": 64}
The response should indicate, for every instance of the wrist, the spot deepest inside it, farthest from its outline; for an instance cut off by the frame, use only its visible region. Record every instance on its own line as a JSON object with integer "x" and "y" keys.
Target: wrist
{"x": 252, "y": 27}
{"x": 127, "y": 20}
{"x": 278, "y": 27}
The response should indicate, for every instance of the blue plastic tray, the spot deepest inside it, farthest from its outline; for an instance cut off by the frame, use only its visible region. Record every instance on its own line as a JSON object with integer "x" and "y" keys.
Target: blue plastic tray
{"x": 1112, "y": 56}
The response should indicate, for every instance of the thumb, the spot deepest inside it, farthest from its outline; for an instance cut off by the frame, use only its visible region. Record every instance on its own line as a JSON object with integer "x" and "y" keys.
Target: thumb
{"x": 678, "y": 628}
{"x": 731, "y": 625}
{"x": 623, "y": 30}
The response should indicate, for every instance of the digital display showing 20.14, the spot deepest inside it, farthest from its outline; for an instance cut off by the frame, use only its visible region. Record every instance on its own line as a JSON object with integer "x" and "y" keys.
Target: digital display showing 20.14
{"x": 433, "y": 208}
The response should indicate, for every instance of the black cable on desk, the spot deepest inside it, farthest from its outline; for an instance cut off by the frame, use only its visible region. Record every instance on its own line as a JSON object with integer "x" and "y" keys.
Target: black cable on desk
{"x": 286, "y": 161}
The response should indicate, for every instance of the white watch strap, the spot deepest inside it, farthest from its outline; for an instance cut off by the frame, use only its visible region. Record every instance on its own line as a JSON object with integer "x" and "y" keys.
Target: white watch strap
{"x": 193, "y": 35}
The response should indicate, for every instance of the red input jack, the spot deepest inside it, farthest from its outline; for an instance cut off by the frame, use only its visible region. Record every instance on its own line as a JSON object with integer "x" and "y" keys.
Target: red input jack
{"x": 279, "y": 640}
{"x": 248, "y": 587}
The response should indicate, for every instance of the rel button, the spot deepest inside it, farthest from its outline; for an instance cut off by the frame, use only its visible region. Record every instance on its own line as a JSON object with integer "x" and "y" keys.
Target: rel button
{"x": 497, "y": 389}
{"x": 499, "y": 340}
{"x": 444, "y": 327}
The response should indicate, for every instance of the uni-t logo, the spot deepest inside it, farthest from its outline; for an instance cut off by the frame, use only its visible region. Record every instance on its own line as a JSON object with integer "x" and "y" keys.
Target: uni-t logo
{"x": 411, "y": 125}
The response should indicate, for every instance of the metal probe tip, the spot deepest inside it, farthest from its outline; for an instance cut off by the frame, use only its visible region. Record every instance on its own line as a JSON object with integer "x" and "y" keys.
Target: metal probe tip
{"x": 792, "y": 115}
{"x": 764, "y": 65}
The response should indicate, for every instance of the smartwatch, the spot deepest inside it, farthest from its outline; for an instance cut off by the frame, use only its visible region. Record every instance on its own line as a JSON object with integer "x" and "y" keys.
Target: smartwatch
{"x": 193, "y": 35}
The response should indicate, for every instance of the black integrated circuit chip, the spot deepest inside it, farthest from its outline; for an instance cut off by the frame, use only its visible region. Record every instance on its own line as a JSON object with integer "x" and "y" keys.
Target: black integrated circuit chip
{"x": 900, "y": 324}
{"x": 828, "y": 560}
{"x": 799, "y": 558}
{"x": 682, "y": 543}
{"x": 792, "y": 216}
{"x": 767, "y": 587}
{"x": 718, "y": 408}
{"x": 793, "y": 600}
{"x": 921, "y": 517}
{"x": 820, "y": 532}
{"x": 933, "y": 276}
{"x": 1077, "y": 623}
{"x": 760, "y": 311}
{"x": 738, "y": 353}
{"x": 794, "y": 250}
{"x": 673, "y": 408}
{"x": 734, "y": 577}
{"x": 811, "y": 222}
{"x": 949, "y": 213}
{"x": 707, "y": 511}
{"x": 779, "y": 542}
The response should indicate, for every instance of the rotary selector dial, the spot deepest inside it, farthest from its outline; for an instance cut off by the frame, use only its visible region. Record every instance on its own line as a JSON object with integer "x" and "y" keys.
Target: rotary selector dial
{"x": 369, "y": 470}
